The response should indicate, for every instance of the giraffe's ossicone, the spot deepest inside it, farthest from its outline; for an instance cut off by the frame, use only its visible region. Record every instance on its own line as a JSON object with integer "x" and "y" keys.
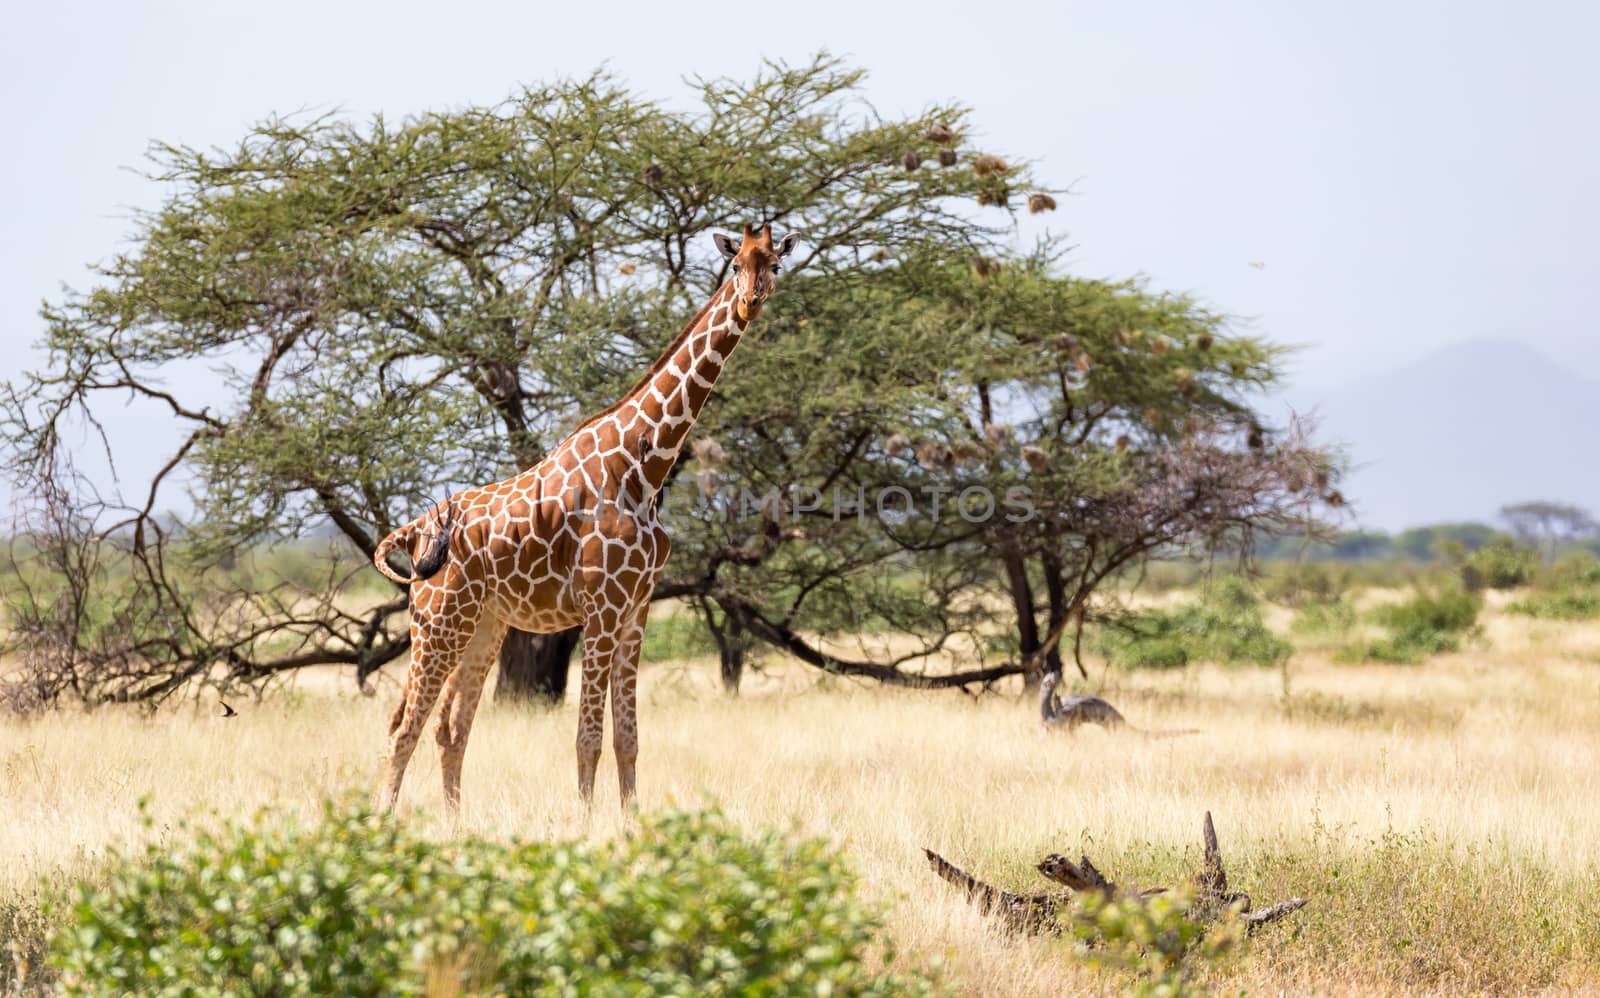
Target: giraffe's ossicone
{"x": 572, "y": 541}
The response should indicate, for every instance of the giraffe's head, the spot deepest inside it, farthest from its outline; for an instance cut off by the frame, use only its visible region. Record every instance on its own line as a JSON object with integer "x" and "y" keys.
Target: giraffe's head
{"x": 755, "y": 266}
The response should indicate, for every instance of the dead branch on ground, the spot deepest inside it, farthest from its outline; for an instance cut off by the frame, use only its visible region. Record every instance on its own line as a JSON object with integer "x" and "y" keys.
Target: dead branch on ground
{"x": 1041, "y": 913}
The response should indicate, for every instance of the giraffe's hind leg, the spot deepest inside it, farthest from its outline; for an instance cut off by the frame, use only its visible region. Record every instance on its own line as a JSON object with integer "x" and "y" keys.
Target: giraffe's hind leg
{"x": 462, "y": 692}
{"x": 435, "y": 650}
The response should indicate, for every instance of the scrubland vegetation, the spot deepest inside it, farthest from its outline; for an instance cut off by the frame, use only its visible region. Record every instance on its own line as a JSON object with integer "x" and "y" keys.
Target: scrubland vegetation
{"x": 1440, "y": 815}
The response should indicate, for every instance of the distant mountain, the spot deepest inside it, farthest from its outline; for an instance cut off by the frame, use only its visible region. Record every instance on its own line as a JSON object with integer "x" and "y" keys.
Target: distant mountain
{"x": 1464, "y": 431}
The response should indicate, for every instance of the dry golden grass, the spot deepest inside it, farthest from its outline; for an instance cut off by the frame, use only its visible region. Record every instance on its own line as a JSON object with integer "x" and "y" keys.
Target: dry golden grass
{"x": 1444, "y": 819}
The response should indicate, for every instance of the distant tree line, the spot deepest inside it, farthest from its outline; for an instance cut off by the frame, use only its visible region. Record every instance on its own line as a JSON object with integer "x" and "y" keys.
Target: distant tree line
{"x": 1549, "y": 528}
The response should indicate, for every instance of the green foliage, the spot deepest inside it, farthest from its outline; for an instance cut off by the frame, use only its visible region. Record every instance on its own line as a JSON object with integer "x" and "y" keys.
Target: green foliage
{"x": 1549, "y": 525}
{"x": 676, "y": 635}
{"x": 1359, "y": 545}
{"x": 1224, "y": 626}
{"x": 1155, "y": 639}
{"x": 1428, "y": 543}
{"x": 1161, "y": 576}
{"x": 1562, "y": 604}
{"x": 1306, "y": 584}
{"x": 1500, "y": 564}
{"x": 1155, "y": 938}
{"x": 1423, "y": 545}
{"x": 1580, "y": 568}
{"x": 357, "y": 904}
{"x": 1568, "y": 590}
{"x": 1333, "y": 619}
{"x": 1429, "y": 623}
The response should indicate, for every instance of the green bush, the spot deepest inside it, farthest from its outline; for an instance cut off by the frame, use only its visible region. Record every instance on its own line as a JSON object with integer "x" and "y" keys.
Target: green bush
{"x": 1579, "y": 569}
{"x": 1154, "y": 639}
{"x": 1334, "y": 619}
{"x": 1426, "y": 624}
{"x": 358, "y": 905}
{"x": 676, "y": 635}
{"x": 1499, "y": 564}
{"x": 1225, "y": 626}
{"x": 1563, "y": 604}
{"x": 1297, "y": 585}
{"x": 1158, "y": 939}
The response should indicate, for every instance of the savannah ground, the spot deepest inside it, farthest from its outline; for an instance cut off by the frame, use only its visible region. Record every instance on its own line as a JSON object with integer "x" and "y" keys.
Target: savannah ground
{"x": 1444, "y": 819}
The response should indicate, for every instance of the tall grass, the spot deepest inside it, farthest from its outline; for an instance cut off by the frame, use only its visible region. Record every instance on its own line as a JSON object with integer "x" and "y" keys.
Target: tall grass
{"x": 1444, "y": 819}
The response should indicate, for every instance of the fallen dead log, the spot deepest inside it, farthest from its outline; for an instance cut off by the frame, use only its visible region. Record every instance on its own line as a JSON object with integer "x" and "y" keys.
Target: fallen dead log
{"x": 1272, "y": 913}
{"x": 1082, "y": 877}
{"x": 1040, "y": 913}
{"x": 1069, "y": 714}
{"x": 1030, "y": 913}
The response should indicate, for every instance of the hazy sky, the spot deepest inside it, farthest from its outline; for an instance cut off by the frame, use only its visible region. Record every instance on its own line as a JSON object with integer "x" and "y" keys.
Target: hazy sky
{"x": 1410, "y": 174}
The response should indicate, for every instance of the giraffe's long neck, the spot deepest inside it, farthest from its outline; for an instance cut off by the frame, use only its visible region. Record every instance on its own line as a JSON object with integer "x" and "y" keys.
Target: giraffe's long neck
{"x": 669, "y": 400}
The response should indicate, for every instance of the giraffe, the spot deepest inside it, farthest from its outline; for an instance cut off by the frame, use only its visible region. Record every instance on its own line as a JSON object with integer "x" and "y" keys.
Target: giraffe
{"x": 573, "y": 541}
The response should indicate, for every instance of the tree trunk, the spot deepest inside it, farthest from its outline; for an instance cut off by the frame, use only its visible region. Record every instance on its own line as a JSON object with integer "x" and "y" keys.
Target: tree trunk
{"x": 732, "y": 636}
{"x": 1056, "y": 595}
{"x": 533, "y": 667}
{"x": 731, "y": 644}
{"x": 1022, "y": 605}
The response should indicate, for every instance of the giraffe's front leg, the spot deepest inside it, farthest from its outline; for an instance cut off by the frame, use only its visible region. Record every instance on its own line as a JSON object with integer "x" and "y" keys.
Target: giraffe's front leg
{"x": 624, "y": 705}
{"x": 615, "y": 589}
{"x": 599, "y": 645}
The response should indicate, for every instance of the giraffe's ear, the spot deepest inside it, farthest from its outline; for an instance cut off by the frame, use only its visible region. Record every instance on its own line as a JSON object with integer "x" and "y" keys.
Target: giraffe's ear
{"x": 787, "y": 244}
{"x": 725, "y": 243}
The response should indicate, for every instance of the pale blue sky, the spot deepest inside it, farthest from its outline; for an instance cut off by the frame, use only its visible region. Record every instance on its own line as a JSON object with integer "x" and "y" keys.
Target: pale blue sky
{"x": 1410, "y": 174}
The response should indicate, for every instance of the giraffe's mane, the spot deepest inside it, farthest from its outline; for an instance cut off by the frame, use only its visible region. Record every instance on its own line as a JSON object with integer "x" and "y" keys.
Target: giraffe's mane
{"x": 660, "y": 362}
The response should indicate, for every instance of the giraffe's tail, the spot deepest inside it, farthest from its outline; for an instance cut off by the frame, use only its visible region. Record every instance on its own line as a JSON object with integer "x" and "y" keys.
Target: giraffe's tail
{"x": 432, "y": 557}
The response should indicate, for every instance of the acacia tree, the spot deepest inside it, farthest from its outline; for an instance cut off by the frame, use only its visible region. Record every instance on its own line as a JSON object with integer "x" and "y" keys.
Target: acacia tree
{"x": 1545, "y": 526}
{"x": 398, "y": 310}
{"x": 1118, "y": 421}
{"x": 1127, "y": 417}
{"x": 402, "y": 310}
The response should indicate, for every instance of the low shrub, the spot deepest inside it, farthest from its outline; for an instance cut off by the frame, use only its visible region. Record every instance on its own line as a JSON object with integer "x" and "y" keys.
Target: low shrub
{"x": 1157, "y": 939}
{"x": 1427, "y": 624}
{"x": 1500, "y": 564}
{"x": 1330, "y": 619}
{"x": 1225, "y": 626}
{"x": 674, "y": 636}
{"x": 1303, "y": 585}
{"x": 1563, "y": 604}
{"x": 1577, "y": 570}
{"x": 358, "y": 905}
{"x": 1154, "y": 639}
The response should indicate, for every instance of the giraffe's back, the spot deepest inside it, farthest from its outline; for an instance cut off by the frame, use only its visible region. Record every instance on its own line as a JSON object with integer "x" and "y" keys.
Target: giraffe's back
{"x": 527, "y": 539}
